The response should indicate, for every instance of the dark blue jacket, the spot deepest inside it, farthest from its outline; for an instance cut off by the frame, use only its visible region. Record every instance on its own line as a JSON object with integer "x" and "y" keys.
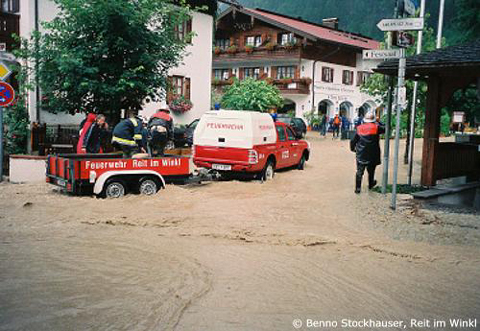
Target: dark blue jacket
{"x": 128, "y": 132}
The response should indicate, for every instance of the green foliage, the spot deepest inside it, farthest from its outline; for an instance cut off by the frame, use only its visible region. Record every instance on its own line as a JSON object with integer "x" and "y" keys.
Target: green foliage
{"x": 15, "y": 117}
{"x": 105, "y": 56}
{"x": 467, "y": 20}
{"x": 312, "y": 117}
{"x": 251, "y": 94}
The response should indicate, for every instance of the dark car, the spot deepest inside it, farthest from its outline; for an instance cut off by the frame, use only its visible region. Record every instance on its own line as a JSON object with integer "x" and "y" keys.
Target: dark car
{"x": 296, "y": 123}
{"x": 190, "y": 130}
{"x": 183, "y": 135}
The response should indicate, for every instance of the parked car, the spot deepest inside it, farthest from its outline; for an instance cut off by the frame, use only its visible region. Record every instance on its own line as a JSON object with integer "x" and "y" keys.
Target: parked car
{"x": 183, "y": 135}
{"x": 247, "y": 142}
{"x": 297, "y": 124}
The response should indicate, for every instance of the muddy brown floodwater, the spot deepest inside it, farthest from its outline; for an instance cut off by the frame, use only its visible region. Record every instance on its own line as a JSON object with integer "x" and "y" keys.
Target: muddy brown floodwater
{"x": 235, "y": 255}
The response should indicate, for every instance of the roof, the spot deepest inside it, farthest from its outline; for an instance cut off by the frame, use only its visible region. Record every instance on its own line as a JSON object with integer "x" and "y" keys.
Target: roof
{"x": 309, "y": 30}
{"x": 454, "y": 57}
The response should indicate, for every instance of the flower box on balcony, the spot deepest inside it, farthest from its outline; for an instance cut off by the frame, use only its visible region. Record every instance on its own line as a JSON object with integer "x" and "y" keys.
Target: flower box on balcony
{"x": 232, "y": 49}
{"x": 249, "y": 49}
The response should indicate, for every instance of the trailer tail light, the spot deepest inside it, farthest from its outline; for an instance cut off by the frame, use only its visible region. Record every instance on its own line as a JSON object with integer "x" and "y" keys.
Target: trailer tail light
{"x": 47, "y": 180}
{"x": 252, "y": 156}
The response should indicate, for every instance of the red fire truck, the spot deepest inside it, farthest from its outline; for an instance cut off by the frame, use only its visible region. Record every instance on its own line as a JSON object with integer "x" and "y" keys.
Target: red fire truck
{"x": 109, "y": 175}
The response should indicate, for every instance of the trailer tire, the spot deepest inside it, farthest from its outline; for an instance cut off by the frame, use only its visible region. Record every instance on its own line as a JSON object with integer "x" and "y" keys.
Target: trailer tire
{"x": 148, "y": 186}
{"x": 113, "y": 189}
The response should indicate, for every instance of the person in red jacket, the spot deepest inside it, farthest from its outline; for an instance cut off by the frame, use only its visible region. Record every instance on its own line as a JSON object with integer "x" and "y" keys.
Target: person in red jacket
{"x": 366, "y": 145}
{"x": 84, "y": 128}
{"x": 160, "y": 131}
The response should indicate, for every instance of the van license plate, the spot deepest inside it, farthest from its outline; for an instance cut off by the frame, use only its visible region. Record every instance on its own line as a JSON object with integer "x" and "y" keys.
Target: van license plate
{"x": 223, "y": 167}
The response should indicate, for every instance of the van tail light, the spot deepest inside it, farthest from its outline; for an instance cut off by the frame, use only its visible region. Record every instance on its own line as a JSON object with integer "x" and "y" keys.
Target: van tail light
{"x": 252, "y": 156}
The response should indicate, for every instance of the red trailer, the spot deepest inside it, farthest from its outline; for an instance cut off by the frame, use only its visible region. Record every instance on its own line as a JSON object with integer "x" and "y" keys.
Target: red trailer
{"x": 109, "y": 175}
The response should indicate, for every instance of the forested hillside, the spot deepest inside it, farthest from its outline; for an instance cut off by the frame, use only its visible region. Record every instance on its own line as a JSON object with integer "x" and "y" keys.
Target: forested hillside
{"x": 361, "y": 16}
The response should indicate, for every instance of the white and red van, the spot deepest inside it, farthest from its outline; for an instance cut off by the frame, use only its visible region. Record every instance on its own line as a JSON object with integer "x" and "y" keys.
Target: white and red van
{"x": 246, "y": 142}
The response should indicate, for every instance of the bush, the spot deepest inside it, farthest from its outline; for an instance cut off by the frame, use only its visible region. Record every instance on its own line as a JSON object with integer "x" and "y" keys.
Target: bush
{"x": 251, "y": 94}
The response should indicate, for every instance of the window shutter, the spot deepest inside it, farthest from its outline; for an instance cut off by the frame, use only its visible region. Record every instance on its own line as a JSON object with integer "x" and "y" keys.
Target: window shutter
{"x": 188, "y": 28}
{"x": 186, "y": 89}
{"x": 324, "y": 75}
{"x": 331, "y": 74}
{"x": 169, "y": 89}
{"x": 241, "y": 73}
{"x": 297, "y": 72}
{"x": 273, "y": 72}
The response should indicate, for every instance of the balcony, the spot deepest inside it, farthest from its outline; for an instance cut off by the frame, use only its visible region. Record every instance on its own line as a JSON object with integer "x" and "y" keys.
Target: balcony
{"x": 286, "y": 86}
{"x": 263, "y": 55}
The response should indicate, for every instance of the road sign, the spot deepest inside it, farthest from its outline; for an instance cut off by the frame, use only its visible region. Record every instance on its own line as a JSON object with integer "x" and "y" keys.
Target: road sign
{"x": 4, "y": 71}
{"x": 402, "y": 95}
{"x": 403, "y": 39}
{"x": 3, "y": 47}
{"x": 402, "y": 24}
{"x": 6, "y": 56}
{"x": 382, "y": 54}
{"x": 410, "y": 6}
{"x": 7, "y": 94}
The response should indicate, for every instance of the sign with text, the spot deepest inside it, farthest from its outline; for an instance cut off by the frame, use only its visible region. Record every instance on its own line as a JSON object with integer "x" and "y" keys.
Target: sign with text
{"x": 402, "y": 24}
{"x": 382, "y": 54}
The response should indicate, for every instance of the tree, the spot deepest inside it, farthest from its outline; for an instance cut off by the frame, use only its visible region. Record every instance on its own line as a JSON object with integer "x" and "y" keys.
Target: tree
{"x": 105, "y": 56}
{"x": 251, "y": 94}
{"x": 467, "y": 20}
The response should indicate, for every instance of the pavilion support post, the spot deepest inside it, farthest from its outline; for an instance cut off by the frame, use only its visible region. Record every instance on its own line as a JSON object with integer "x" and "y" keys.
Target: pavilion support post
{"x": 431, "y": 132}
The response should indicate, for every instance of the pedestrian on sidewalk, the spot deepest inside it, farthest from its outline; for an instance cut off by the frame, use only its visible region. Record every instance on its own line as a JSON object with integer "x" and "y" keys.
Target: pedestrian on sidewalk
{"x": 336, "y": 125}
{"x": 323, "y": 125}
{"x": 366, "y": 145}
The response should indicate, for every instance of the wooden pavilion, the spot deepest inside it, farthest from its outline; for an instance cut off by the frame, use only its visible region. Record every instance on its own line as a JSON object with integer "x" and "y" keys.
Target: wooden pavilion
{"x": 445, "y": 71}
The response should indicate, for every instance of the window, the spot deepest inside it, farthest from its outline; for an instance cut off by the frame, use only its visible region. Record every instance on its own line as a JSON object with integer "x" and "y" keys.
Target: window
{"x": 290, "y": 134}
{"x": 183, "y": 30}
{"x": 221, "y": 74}
{"x": 327, "y": 74}
{"x": 180, "y": 85}
{"x": 286, "y": 39}
{"x": 285, "y": 72}
{"x": 281, "y": 133}
{"x": 254, "y": 41}
{"x": 222, "y": 43}
{"x": 9, "y": 6}
{"x": 347, "y": 77}
{"x": 252, "y": 73}
{"x": 362, "y": 77}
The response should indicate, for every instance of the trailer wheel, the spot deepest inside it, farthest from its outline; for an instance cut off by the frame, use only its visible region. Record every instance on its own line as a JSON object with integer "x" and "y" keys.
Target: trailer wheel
{"x": 114, "y": 189}
{"x": 269, "y": 171}
{"x": 148, "y": 186}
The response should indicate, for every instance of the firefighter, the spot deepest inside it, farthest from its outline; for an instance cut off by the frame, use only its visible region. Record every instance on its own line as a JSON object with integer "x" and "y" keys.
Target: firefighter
{"x": 127, "y": 136}
{"x": 366, "y": 144}
{"x": 160, "y": 131}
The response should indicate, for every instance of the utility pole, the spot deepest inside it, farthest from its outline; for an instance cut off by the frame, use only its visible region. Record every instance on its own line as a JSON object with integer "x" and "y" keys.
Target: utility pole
{"x": 386, "y": 149}
{"x": 401, "y": 93}
{"x": 414, "y": 104}
{"x": 440, "y": 24}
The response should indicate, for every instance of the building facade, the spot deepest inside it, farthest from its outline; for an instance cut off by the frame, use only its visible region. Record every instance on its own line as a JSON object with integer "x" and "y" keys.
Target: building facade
{"x": 192, "y": 77}
{"x": 316, "y": 67}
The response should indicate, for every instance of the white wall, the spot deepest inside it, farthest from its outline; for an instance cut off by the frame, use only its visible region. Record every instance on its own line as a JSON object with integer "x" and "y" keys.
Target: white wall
{"x": 197, "y": 65}
{"x": 47, "y": 10}
{"x": 27, "y": 169}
